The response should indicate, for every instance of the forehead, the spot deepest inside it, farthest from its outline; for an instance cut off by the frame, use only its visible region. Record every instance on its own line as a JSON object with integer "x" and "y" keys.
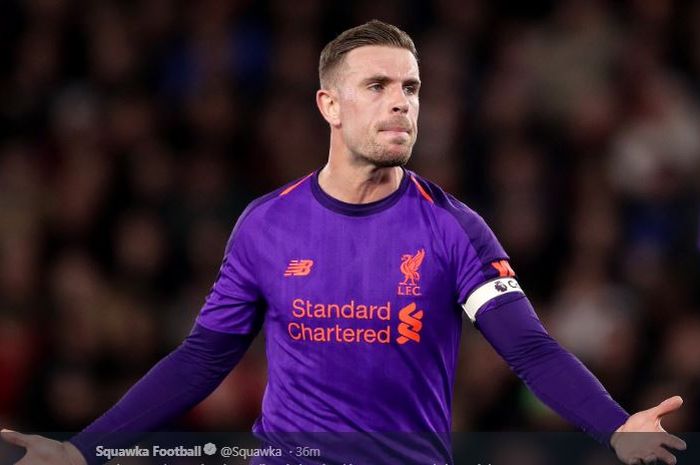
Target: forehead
{"x": 395, "y": 63}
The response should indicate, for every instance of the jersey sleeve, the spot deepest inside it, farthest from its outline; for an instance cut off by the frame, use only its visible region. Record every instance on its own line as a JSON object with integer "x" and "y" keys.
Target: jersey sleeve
{"x": 483, "y": 270}
{"x": 235, "y": 305}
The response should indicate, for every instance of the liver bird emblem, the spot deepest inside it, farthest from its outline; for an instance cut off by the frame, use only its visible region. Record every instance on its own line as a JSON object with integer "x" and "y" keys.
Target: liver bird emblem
{"x": 409, "y": 267}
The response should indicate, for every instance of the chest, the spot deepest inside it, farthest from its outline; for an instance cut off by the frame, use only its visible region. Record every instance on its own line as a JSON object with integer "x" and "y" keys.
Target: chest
{"x": 386, "y": 280}
{"x": 355, "y": 257}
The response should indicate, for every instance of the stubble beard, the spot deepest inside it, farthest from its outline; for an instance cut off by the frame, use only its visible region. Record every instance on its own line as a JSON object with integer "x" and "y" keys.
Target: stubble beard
{"x": 383, "y": 156}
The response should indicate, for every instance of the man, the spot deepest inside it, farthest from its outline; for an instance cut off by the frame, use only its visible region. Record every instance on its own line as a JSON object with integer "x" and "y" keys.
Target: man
{"x": 360, "y": 272}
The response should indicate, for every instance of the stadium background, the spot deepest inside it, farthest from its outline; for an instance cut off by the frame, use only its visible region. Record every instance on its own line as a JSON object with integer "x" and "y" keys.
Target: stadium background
{"x": 132, "y": 134}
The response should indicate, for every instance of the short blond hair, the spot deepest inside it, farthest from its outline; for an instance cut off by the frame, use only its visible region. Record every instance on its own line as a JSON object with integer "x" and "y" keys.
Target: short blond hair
{"x": 374, "y": 32}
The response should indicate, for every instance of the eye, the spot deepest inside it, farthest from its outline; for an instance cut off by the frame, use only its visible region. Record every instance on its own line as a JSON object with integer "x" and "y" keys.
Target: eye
{"x": 411, "y": 90}
{"x": 376, "y": 87}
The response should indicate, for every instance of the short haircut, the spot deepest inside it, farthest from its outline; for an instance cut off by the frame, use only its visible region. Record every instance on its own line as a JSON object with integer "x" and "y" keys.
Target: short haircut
{"x": 374, "y": 32}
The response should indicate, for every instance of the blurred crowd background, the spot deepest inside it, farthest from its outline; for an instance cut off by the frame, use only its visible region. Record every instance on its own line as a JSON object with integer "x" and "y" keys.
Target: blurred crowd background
{"x": 133, "y": 133}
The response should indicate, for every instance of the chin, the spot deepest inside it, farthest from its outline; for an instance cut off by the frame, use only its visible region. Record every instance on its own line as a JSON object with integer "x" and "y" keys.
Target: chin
{"x": 386, "y": 155}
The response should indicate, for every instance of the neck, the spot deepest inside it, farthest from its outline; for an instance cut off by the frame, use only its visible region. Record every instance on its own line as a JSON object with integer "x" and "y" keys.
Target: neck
{"x": 358, "y": 183}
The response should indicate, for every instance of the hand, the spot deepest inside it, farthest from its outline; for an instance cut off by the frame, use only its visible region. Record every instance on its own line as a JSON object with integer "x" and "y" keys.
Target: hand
{"x": 43, "y": 451}
{"x": 652, "y": 445}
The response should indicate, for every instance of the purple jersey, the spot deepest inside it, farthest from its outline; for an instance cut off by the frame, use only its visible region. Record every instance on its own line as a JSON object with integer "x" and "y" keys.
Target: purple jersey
{"x": 361, "y": 303}
{"x": 361, "y": 309}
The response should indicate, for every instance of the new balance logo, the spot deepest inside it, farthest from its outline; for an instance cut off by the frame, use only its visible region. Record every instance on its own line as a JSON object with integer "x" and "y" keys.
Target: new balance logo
{"x": 411, "y": 324}
{"x": 298, "y": 268}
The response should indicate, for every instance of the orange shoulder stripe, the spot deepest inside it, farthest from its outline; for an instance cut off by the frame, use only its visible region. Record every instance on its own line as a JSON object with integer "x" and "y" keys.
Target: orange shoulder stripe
{"x": 295, "y": 185}
{"x": 421, "y": 190}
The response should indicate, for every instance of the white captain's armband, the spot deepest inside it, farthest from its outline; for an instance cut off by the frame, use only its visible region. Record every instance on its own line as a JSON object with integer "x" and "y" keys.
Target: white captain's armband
{"x": 489, "y": 291}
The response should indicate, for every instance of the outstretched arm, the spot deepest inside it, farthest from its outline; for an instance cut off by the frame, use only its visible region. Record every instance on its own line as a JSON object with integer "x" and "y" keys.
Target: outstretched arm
{"x": 562, "y": 382}
{"x": 175, "y": 384}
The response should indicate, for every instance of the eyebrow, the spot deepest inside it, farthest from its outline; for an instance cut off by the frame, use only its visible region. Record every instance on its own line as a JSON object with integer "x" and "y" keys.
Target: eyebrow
{"x": 382, "y": 79}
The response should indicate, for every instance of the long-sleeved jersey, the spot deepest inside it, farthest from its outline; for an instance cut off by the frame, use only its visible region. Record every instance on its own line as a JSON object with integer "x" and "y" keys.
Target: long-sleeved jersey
{"x": 362, "y": 309}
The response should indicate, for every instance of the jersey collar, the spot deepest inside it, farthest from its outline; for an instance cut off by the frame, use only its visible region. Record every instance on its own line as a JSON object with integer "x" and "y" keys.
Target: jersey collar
{"x": 358, "y": 209}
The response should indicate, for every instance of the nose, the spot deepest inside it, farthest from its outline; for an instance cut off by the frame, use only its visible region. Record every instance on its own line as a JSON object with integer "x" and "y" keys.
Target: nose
{"x": 399, "y": 101}
{"x": 400, "y": 108}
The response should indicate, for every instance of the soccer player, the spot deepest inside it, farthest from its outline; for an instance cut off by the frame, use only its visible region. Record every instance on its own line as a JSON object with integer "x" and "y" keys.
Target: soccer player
{"x": 361, "y": 272}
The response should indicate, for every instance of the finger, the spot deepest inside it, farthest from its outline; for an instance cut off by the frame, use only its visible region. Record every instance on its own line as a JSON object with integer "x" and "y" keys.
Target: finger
{"x": 665, "y": 456}
{"x": 13, "y": 437}
{"x": 669, "y": 405}
{"x": 674, "y": 442}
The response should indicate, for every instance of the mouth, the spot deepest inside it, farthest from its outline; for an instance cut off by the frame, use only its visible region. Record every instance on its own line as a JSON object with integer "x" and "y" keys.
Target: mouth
{"x": 396, "y": 125}
{"x": 396, "y": 130}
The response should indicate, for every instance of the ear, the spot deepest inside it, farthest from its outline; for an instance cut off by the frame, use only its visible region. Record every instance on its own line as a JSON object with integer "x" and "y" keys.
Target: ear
{"x": 328, "y": 105}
